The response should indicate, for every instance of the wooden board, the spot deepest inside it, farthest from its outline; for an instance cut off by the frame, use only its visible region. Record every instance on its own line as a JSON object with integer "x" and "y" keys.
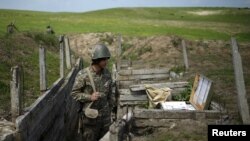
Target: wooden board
{"x": 143, "y": 71}
{"x": 142, "y": 77}
{"x": 174, "y": 114}
{"x": 171, "y": 85}
{"x": 200, "y": 96}
{"x": 133, "y": 98}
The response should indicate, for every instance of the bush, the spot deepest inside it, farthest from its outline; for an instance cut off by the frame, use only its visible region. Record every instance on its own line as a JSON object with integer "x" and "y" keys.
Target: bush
{"x": 184, "y": 95}
{"x": 178, "y": 69}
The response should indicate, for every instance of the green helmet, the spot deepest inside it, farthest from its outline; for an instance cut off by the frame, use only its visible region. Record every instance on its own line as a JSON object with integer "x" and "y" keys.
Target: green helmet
{"x": 100, "y": 51}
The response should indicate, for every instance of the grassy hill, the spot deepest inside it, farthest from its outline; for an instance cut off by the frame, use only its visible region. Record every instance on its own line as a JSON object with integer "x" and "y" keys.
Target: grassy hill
{"x": 191, "y": 23}
{"x": 23, "y": 49}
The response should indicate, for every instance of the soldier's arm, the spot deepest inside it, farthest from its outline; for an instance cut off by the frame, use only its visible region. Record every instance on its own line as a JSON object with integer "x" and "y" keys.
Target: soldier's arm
{"x": 78, "y": 88}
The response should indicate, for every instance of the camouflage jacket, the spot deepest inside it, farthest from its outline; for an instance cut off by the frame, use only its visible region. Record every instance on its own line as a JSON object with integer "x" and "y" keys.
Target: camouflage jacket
{"x": 82, "y": 89}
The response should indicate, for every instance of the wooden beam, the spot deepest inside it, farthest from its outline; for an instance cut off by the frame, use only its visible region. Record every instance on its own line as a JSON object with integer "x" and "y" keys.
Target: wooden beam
{"x": 61, "y": 56}
{"x": 16, "y": 92}
{"x": 171, "y": 85}
{"x": 143, "y": 77}
{"x": 240, "y": 84}
{"x": 42, "y": 65}
{"x": 184, "y": 51}
{"x": 67, "y": 52}
{"x": 133, "y": 98}
{"x": 143, "y": 71}
{"x": 161, "y": 114}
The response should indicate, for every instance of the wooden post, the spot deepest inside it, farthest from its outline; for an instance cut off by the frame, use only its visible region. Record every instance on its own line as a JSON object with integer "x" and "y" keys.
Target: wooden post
{"x": 42, "y": 64}
{"x": 185, "y": 54}
{"x": 240, "y": 84}
{"x": 67, "y": 52}
{"x": 118, "y": 53}
{"x": 16, "y": 92}
{"x": 61, "y": 56}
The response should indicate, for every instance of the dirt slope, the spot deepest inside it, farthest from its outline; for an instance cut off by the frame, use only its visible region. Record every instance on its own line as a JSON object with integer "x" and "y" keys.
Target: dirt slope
{"x": 212, "y": 58}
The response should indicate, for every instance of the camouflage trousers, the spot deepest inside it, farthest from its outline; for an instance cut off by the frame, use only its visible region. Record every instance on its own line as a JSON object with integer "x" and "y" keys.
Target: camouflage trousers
{"x": 95, "y": 129}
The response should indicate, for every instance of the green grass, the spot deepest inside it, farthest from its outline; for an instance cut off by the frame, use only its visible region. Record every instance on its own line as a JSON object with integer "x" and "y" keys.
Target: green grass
{"x": 225, "y": 22}
{"x": 22, "y": 49}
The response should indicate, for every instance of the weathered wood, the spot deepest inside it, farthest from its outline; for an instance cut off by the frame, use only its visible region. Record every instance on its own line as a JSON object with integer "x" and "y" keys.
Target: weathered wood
{"x": 128, "y": 83}
{"x": 16, "y": 92}
{"x": 143, "y": 71}
{"x": 184, "y": 50}
{"x": 114, "y": 72}
{"x": 143, "y": 77}
{"x": 43, "y": 73}
{"x": 67, "y": 52}
{"x": 161, "y": 114}
{"x": 176, "y": 114}
{"x": 61, "y": 56}
{"x": 171, "y": 85}
{"x": 141, "y": 103}
{"x": 167, "y": 123}
{"x": 118, "y": 53}
{"x": 240, "y": 84}
{"x": 200, "y": 95}
{"x": 174, "y": 92}
{"x": 133, "y": 98}
{"x": 49, "y": 116}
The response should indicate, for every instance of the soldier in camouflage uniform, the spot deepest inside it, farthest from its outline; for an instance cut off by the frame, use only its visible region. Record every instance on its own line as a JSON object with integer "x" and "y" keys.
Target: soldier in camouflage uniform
{"x": 103, "y": 100}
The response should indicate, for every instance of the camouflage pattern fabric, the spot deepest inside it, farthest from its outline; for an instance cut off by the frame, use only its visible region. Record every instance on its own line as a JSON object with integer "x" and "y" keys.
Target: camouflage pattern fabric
{"x": 94, "y": 129}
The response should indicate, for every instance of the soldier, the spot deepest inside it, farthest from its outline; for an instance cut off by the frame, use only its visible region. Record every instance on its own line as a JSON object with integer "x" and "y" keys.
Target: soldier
{"x": 49, "y": 30}
{"x": 11, "y": 28}
{"x": 103, "y": 99}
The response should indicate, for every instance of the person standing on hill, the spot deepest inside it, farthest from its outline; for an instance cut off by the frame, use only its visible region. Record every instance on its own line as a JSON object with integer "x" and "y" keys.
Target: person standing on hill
{"x": 49, "y": 30}
{"x": 11, "y": 28}
{"x": 101, "y": 96}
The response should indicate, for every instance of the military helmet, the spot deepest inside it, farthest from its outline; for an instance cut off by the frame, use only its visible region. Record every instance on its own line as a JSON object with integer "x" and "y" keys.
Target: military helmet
{"x": 100, "y": 51}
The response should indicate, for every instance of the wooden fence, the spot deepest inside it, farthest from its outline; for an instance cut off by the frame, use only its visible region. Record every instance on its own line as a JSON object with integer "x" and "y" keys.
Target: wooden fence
{"x": 53, "y": 114}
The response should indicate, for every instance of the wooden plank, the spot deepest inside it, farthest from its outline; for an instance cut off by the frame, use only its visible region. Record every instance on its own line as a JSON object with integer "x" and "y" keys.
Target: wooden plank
{"x": 61, "y": 56}
{"x": 240, "y": 84}
{"x": 67, "y": 52}
{"x": 200, "y": 95}
{"x": 171, "y": 85}
{"x": 161, "y": 114}
{"x": 214, "y": 114}
{"x": 167, "y": 123}
{"x": 185, "y": 58}
{"x": 138, "y": 62}
{"x": 143, "y": 71}
{"x": 175, "y": 91}
{"x": 124, "y": 92}
{"x": 134, "y": 103}
{"x": 42, "y": 68}
{"x": 16, "y": 92}
{"x": 133, "y": 98}
{"x": 143, "y": 77}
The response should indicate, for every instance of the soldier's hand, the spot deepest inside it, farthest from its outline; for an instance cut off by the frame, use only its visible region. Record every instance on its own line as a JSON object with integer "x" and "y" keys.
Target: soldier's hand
{"x": 95, "y": 96}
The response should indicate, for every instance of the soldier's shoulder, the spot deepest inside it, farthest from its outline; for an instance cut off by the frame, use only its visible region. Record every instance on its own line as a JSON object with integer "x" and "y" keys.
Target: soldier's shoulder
{"x": 82, "y": 72}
